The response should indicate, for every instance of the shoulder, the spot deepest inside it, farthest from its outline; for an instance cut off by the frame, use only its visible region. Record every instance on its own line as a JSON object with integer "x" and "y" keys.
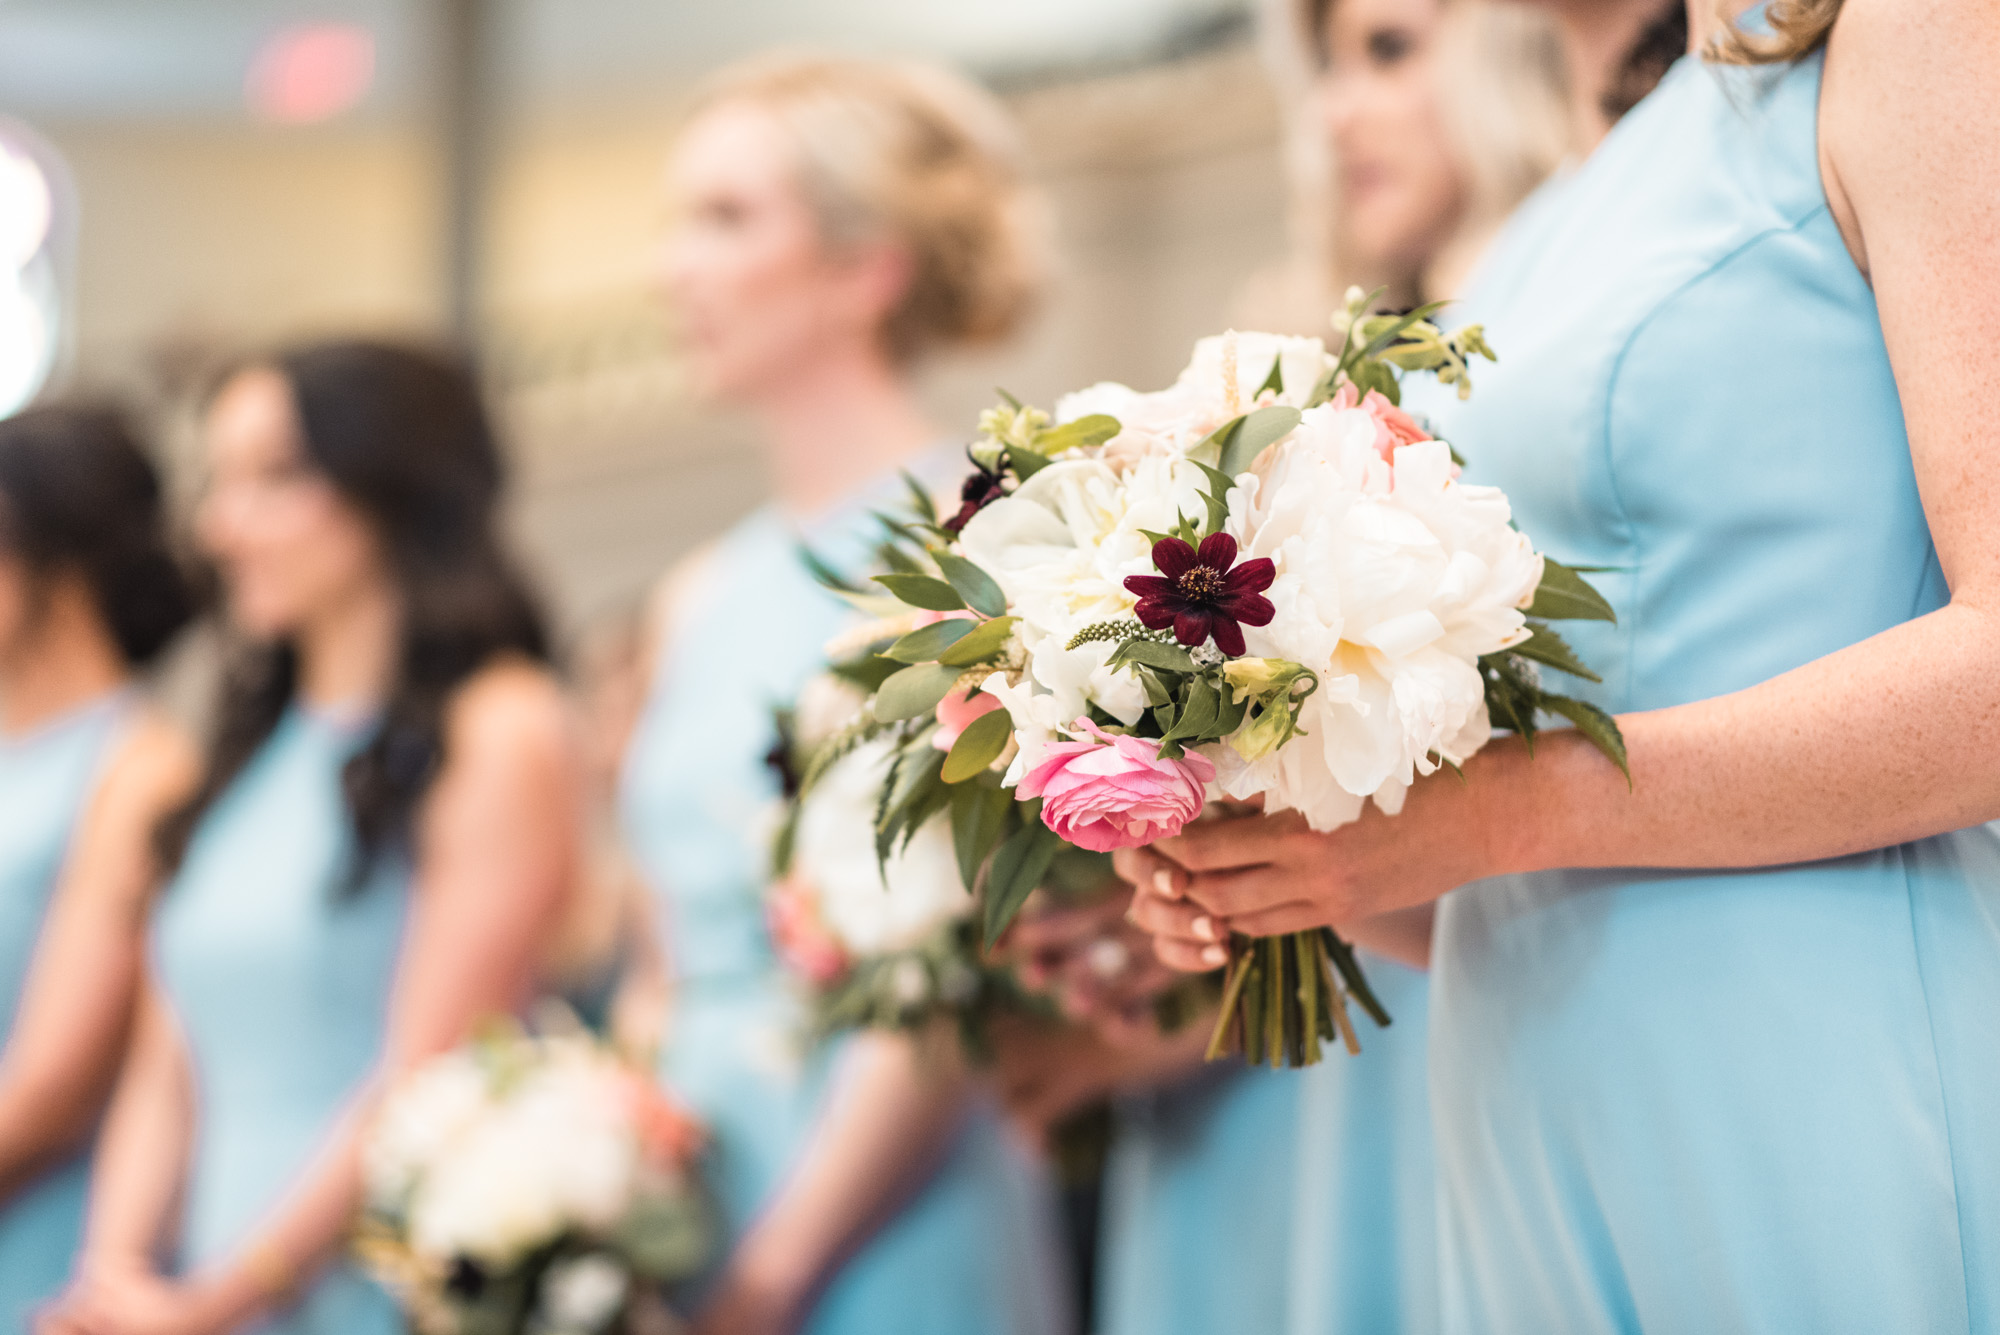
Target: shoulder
{"x": 154, "y": 765}
{"x": 511, "y": 711}
{"x": 671, "y": 599}
{"x": 1906, "y": 121}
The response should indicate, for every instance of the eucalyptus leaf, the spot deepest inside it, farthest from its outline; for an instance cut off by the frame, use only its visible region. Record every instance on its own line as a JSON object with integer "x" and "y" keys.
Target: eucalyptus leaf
{"x": 972, "y": 584}
{"x": 1565, "y": 595}
{"x": 1082, "y": 434}
{"x": 825, "y": 574}
{"x": 1018, "y": 867}
{"x": 1252, "y": 432}
{"x": 978, "y": 746}
{"x": 988, "y": 639}
{"x": 1197, "y": 714}
{"x": 933, "y": 595}
{"x": 1545, "y": 646}
{"x": 914, "y": 691}
{"x": 1275, "y": 380}
{"x": 1216, "y": 497}
{"x": 925, "y": 643}
{"x": 920, "y": 498}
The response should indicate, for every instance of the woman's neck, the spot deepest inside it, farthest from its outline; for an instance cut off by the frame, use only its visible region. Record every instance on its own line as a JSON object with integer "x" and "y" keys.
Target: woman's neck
{"x": 64, "y": 661}
{"x": 844, "y": 417}
{"x": 347, "y": 652}
{"x": 1597, "y": 36}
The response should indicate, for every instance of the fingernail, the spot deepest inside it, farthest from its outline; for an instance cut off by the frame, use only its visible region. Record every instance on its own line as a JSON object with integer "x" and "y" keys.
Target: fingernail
{"x": 1163, "y": 881}
{"x": 1204, "y": 927}
{"x": 1214, "y": 956}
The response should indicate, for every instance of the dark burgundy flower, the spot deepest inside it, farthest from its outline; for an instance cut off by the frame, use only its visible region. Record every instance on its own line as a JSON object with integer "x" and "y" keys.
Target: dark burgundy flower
{"x": 980, "y": 490}
{"x": 1201, "y": 596}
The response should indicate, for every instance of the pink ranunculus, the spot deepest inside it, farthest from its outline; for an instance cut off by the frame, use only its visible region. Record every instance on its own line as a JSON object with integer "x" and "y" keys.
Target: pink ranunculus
{"x": 800, "y": 935}
{"x": 1393, "y": 426}
{"x": 1115, "y": 792}
{"x": 955, "y": 714}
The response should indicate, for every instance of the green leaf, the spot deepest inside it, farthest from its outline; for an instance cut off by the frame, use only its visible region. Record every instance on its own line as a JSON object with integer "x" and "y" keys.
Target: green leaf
{"x": 979, "y": 815}
{"x": 1166, "y": 657}
{"x": 1595, "y": 724}
{"x": 899, "y": 561}
{"x": 982, "y": 643}
{"x": 1373, "y": 375}
{"x": 1018, "y": 868}
{"x": 913, "y": 692}
{"x": 1565, "y": 595}
{"x": 972, "y": 584}
{"x": 1253, "y": 431}
{"x": 826, "y": 574}
{"x": 1082, "y": 434}
{"x": 978, "y": 746}
{"x": 920, "y": 498}
{"x": 1275, "y": 381}
{"x": 933, "y": 595}
{"x": 1216, "y": 497}
{"x": 1197, "y": 715}
{"x": 1027, "y": 463}
{"x": 866, "y": 673}
{"x": 925, "y": 643}
{"x": 1545, "y": 646}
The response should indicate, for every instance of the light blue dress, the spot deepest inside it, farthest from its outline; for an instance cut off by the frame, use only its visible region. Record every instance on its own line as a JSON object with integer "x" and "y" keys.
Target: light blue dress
{"x": 280, "y": 980}
{"x": 47, "y": 777}
{"x": 974, "y": 1252}
{"x": 1761, "y": 1101}
{"x": 1287, "y": 1202}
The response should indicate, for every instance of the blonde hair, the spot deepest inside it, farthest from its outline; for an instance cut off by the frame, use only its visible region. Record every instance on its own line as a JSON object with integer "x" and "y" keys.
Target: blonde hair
{"x": 1798, "y": 28}
{"x": 917, "y": 155}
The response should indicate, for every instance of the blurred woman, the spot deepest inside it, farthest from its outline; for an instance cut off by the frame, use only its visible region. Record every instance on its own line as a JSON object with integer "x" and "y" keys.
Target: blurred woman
{"x": 1303, "y": 1201}
{"x": 838, "y": 220}
{"x": 1711, "y": 1050}
{"x": 383, "y": 831}
{"x": 89, "y": 594}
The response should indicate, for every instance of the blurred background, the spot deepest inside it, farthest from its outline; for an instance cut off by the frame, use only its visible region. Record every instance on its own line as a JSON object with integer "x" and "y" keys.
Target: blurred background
{"x": 212, "y": 176}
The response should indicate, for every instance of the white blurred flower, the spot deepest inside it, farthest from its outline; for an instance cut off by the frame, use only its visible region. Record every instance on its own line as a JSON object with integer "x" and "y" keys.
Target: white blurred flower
{"x": 426, "y": 1113}
{"x": 834, "y": 849}
{"x": 579, "y": 1296}
{"x": 826, "y": 704}
{"x": 1391, "y": 583}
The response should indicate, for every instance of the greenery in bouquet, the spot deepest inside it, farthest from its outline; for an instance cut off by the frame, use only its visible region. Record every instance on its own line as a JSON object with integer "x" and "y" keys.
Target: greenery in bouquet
{"x": 532, "y": 1185}
{"x": 1264, "y": 585}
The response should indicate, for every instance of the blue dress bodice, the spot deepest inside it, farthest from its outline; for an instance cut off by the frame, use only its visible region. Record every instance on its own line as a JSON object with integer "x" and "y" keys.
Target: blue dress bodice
{"x": 972, "y": 1253}
{"x": 1758, "y": 1101}
{"x": 47, "y": 778}
{"x": 279, "y": 975}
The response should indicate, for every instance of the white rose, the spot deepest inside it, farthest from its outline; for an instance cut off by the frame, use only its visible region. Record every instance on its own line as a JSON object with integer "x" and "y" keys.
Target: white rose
{"x": 582, "y": 1294}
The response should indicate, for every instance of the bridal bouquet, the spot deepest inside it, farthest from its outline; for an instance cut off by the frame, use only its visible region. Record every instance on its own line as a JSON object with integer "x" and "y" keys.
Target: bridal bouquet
{"x": 1264, "y": 584}
{"x": 882, "y": 926}
{"x": 530, "y": 1186}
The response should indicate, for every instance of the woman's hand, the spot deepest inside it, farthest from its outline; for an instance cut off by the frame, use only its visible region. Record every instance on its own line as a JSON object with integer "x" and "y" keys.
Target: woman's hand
{"x": 1043, "y": 1074}
{"x": 1091, "y": 961}
{"x": 1263, "y": 875}
{"x": 130, "y": 1301}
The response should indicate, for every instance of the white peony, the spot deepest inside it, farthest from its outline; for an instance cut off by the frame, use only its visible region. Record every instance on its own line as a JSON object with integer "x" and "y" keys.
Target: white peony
{"x": 835, "y": 853}
{"x": 553, "y": 1151}
{"x": 426, "y": 1114}
{"x": 1390, "y": 585}
{"x": 1302, "y": 361}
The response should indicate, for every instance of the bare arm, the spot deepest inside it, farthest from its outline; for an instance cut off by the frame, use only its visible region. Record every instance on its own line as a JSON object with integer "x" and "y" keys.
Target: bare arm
{"x": 895, "y": 1104}
{"x": 1883, "y": 742}
{"x": 70, "y": 1033}
{"x": 497, "y": 854}
{"x": 142, "y": 1152}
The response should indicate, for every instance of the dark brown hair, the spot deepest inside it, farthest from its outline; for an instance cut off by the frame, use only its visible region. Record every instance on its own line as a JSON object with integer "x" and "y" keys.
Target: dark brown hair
{"x": 78, "y": 496}
{"x": 403, "y": 436}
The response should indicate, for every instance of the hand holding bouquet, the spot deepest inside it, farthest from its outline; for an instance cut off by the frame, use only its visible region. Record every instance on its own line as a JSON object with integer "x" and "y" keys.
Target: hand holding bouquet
{"x": 524, "y": 1184}
{"x": 1266, "y": 583}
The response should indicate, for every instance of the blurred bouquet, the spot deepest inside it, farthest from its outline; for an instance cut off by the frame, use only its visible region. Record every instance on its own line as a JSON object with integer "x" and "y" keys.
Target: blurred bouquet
{"x": 530, "y": 1186}
{"x": 1264, "y": 584}
{"x": 871, "y": 905}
